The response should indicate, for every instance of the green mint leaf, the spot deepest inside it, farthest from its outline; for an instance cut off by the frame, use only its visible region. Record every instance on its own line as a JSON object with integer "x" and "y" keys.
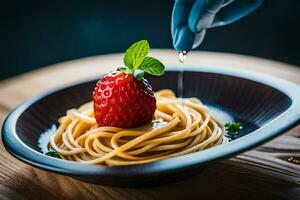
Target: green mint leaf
{"x": 52, "y": 153}
{"x": 233, "y": 127}
{"x": 126, "y": 70}
{"x": 137, "y": 62}
{"x": 136, "y": 53}
{"x": 152, "y": 66}
{"x": 138, "y": 74}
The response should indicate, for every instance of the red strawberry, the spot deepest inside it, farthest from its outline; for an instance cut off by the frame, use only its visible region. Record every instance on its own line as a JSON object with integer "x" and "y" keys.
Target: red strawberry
{"x": 123, "y": 101}
{"x": 124, "y": 98}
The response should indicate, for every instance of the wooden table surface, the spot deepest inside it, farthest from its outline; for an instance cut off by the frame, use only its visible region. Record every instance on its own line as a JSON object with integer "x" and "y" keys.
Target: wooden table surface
{"x": 257, "y": 174}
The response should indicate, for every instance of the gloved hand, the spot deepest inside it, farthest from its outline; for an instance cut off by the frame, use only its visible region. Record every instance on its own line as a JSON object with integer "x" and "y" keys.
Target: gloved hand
{"x": 191, "y": 18}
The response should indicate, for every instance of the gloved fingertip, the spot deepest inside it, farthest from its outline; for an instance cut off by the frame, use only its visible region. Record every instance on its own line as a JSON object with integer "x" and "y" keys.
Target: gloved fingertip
{"x": 202, "y": 14}
{"x": 199, "y": 37}
{"x": 183, "y": 39}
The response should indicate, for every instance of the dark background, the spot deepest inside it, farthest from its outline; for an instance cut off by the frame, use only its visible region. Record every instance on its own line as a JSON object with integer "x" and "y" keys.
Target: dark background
{"x": 38, "y": 33}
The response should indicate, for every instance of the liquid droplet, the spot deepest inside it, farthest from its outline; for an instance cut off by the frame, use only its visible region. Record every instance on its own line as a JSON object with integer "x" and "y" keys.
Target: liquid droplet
{"x": 181, "y": 56}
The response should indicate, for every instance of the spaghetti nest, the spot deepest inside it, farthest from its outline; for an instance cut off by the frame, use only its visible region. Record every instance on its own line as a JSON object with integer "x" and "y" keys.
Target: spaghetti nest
{"x": 180, "y": 126}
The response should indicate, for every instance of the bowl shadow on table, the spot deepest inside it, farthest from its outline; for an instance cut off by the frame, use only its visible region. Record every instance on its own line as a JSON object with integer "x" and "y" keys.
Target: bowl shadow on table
{"x": 145, "y": 181}
{"x": 215, "y": 181}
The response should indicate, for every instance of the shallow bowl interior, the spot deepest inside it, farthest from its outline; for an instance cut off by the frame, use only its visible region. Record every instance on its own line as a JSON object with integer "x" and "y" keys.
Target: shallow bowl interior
{"x": 230, "y": 98}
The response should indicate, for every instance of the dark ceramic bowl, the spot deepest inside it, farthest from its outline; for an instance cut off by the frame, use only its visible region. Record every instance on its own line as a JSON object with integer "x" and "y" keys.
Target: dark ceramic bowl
{"x": 266, "y": 106}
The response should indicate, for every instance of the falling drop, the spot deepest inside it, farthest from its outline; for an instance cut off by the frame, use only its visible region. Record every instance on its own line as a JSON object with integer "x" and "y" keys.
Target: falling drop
{"x": 181, "y": 56}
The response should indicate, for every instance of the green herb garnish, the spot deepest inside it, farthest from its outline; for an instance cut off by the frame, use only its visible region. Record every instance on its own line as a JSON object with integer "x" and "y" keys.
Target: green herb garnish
{"x": 233, "y": 127}
{"x": 138, "y": 63}
{"x": 52, "y": 153}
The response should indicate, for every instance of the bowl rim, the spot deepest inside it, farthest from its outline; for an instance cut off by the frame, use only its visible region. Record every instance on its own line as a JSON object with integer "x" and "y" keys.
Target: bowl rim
{"x": 286, "y": 120}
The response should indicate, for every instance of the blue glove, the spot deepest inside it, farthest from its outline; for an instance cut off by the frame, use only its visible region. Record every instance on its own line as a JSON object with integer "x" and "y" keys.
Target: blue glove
{"x": 191, "y": 18}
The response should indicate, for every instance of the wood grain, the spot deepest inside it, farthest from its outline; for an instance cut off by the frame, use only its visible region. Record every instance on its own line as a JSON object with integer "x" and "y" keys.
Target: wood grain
{"x": 262, "y": 173}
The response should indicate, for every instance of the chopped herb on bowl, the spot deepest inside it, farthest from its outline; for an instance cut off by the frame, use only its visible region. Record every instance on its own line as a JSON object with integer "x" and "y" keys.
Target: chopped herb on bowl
{"x": 233, "y": 127}
{"x": 52, "y": 153}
